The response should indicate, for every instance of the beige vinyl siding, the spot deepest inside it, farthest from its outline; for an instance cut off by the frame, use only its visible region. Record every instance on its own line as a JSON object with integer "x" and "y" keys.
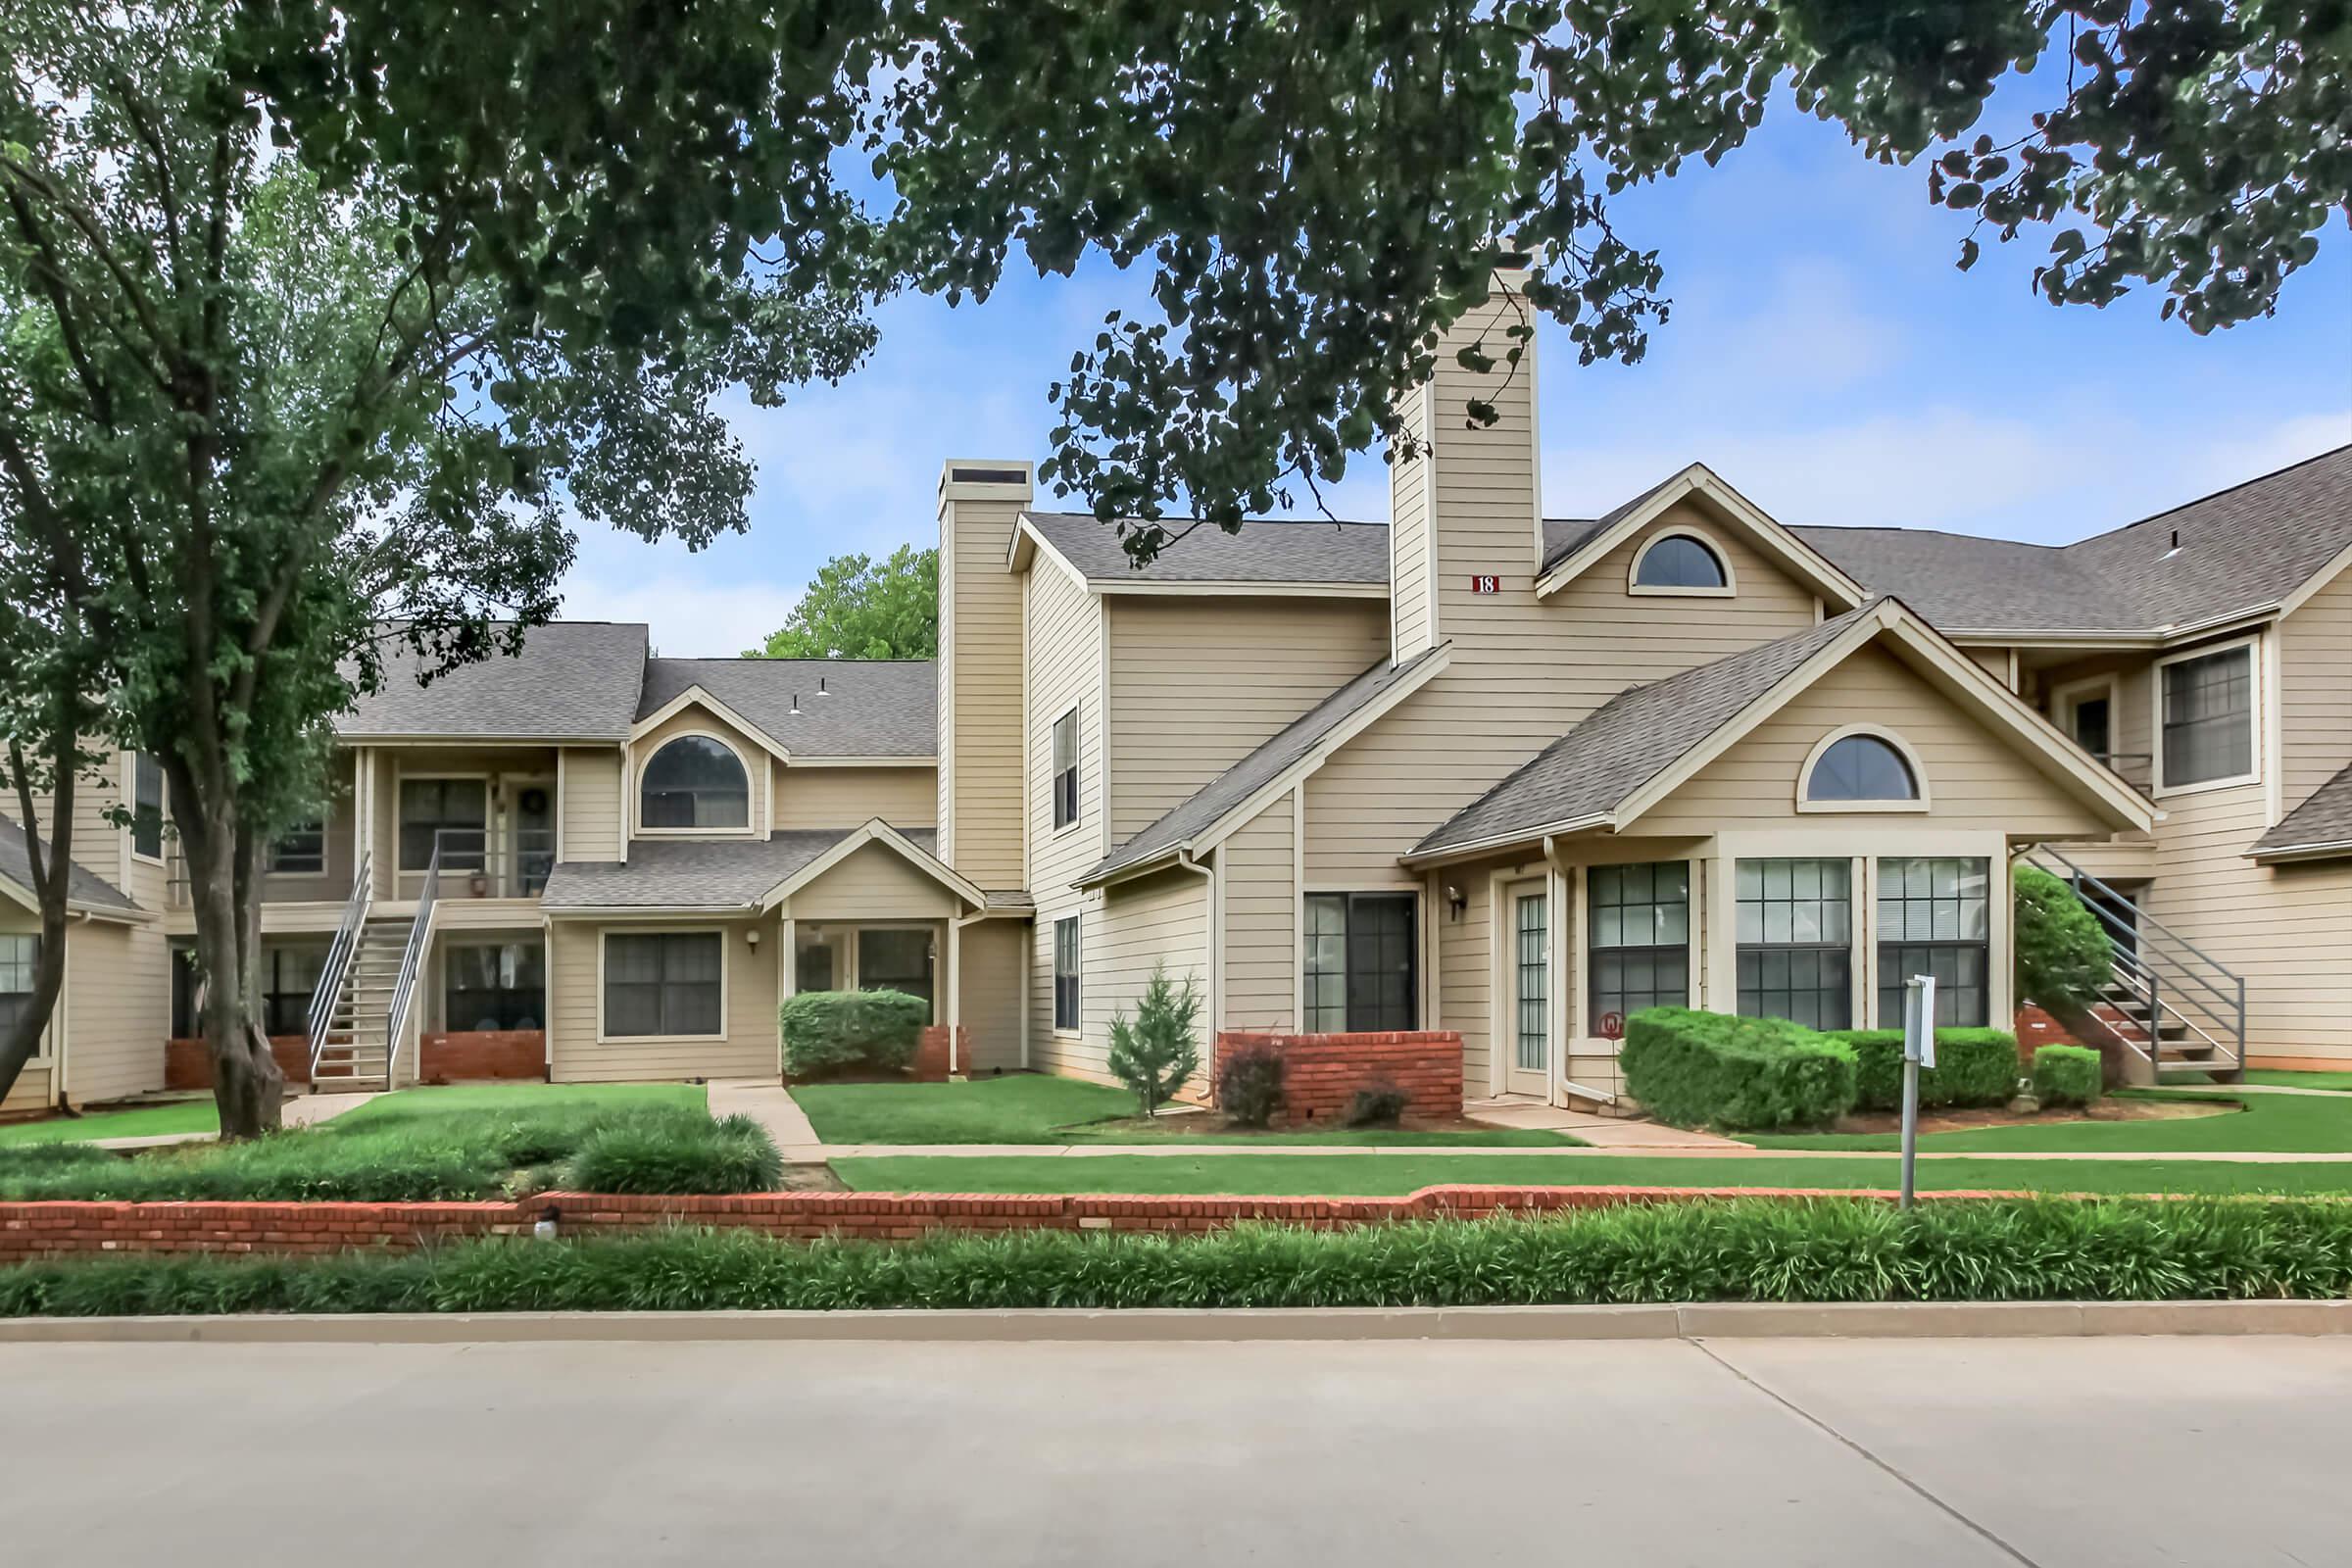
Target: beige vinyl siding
{"x": 1197, "y": 683}
{"x": 1408, "y": 533}
{"x": 574, "y": 1000}
{"x": 1134, "y": 925}
{"x": 695, "y": 719}
{"x": 989, "y": 991}
{"x": 847, "y": 797}
{"x": 874, "y": 883}
{"x": 32, "y": 1090}
{"x": 1064, "y": 651}
{"x": 2128, "y": 856}
{"x": 118, "y": 1010}
{"x": 1974, "y": 778}
{"x": 2315, "y": 699}
{"x": 333, "y": 885}
{"x": 1465, "y": 971}
{"x": 1261, "y": 952}
{"x": 590, "y": 805}
{"x": 98, "y": 846}
{"x": 978, "y": 799}
{"x": 1994, "y": 661}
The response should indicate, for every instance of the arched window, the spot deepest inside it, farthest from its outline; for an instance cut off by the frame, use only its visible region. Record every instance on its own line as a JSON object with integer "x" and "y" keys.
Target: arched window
{"x": 1680, "y": 560}
{"x": 1861, "y": 768}
{"x": 695, "y": 781}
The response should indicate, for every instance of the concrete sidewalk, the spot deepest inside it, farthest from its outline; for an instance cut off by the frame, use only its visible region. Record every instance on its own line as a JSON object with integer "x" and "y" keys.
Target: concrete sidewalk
{"x": 771, "y": 1106}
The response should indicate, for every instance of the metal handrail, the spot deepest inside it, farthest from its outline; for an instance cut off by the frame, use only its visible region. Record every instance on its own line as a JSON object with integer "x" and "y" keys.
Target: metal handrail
{"x": 2228, "y": 1005}
{"x": 526, "y": 854}
{"x": 2148, "y": 925}
{"x": 338, "y": 962}
{"x": 412, "y": 965}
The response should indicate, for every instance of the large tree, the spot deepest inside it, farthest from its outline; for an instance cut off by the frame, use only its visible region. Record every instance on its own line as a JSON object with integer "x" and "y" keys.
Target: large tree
{"x": 859, "y": 607}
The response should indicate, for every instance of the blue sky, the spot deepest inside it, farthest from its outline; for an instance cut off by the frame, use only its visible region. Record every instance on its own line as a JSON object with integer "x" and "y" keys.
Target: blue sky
{"x": 1824, "y": 355}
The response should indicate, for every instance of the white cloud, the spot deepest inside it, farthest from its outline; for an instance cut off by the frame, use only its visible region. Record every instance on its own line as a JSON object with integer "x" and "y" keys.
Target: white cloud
{"x": 690, "y": 619}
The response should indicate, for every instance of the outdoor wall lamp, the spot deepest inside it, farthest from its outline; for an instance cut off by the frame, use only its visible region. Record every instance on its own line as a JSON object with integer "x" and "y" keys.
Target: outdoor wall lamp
{"x": 1456, "y": 899}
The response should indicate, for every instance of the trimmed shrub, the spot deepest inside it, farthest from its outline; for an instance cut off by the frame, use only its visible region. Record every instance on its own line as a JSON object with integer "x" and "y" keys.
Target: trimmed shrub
{"x": 732, "y": 1154}
{"x": 1974, "y": 1067}
{"x": 2063, "y": 953}
{"x": 1379, "y": 1104}
{"x": 1711, "y": 1069}
{"x": 1249, "y": 1083}
{"x": 1155, "y": 1053}
{"x": 837, "y": 1030}
{"x": 2066, "y": 1075}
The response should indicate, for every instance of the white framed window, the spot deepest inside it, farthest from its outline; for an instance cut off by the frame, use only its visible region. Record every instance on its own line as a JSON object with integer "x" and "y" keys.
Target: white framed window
{"x": 1795, "y": 941}
{"x": 20, "y": 955}
{"x": 1638, "y": 939}
{"x": 1066, "y": 975}
{"x": 667, "y": 984}
{"x": 695, "y": 783}
{"x": 1935, "y": 917}
{"x": 1065, "y": 770}
{"x": 1362, "y": 963}
{"x": 1862, "y": 767}
{"x": 2208, "y": 719}
{"x": 1684, "y": 562}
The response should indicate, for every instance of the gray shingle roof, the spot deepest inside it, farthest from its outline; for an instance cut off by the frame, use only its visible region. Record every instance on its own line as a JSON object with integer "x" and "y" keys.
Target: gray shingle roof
{"x": 2322, "y": 820}
{"x": 1231, "y": 788}
{"x": 1630, "y": 740}
{"x": 1263, "y": 551}
{"x": 574, "y": 680}
{"x": 870, "y": 707}
{"x": 82, "y": 886}
{"x": 2242, "y": 550}
{"x": 684, "y": 873}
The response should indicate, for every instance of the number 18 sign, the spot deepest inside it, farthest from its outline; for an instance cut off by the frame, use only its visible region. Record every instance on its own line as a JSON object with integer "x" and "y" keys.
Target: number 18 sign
{"x": 1486, "y": 585}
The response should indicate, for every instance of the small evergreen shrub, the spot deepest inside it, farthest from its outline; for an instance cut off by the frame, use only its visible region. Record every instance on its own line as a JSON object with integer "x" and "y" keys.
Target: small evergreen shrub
{"x": 1249, "y": 1083}
{"x": 1155, "y": 1053}
{"x": 1974, "y": 1067}
{"x": 732, "y": 1154}
{"x": 2066, "y": 1075}
{"x": 837, "y": 1031}
{"x": 2064, "y": 956}
{"x": 1379, "y": 1104}
{"x": 1710, "y": 1069}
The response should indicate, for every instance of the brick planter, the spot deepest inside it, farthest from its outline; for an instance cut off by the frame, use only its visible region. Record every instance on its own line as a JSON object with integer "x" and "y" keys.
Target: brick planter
{"x": 33, "y": 1229}
{"x": 479, "y": 1054}
{"x": 1324, "y": 1071}
{"x": 188, "y": 1063}
{"x": 930, "y": 1065}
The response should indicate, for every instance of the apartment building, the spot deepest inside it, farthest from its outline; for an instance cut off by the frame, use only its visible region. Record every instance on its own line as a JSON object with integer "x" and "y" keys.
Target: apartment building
{"x": 1474, "y": 771}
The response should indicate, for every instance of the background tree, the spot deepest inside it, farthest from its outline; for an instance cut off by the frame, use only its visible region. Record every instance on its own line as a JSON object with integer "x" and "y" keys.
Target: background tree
{"x": 858, "y": 609}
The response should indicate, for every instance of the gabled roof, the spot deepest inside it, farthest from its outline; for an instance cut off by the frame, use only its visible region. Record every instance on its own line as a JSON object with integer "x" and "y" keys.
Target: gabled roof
{"x": 1577, "y": 549}
{"x": 2320, "y": 828}
{"x": 1641, "y": 744}
{"x": 84, "y": 889}
{"x": 1265, "y": 552}
{"x": 1264, "y": 772}
{"x": 847, "y": 707}
{"x": 2244, "y": 551}
{"x": 881, "y": 834}
{"x": 719, "y": 875}
{"x": 572, "y": 680}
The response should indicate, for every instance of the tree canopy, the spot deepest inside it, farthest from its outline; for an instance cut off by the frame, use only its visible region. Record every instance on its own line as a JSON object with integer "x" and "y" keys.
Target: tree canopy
{"x": 858, "y": 608}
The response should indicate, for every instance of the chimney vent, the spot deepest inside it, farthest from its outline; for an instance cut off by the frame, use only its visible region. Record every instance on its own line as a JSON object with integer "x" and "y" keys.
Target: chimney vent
{"x": 820, "y": 687}
{"x": 2174, "y": 550}
{"x": 795, "y": 702}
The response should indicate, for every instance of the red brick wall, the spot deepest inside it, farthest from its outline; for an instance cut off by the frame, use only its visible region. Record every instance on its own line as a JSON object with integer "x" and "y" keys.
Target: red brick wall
{"x": 931, "y": 1053}
{"x": 482, "y": 1054}
{"x": 29, "y": 1230}
{"x": 1323, "y": 1072}
{"x": 188, "y": 1063}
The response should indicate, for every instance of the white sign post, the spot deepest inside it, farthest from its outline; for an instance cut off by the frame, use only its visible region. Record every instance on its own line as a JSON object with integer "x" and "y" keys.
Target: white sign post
{"x": 1918, "y": 1051}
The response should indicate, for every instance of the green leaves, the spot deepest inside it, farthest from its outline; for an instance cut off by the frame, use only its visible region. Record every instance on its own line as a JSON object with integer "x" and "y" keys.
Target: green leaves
{"x": 858, "y": 608}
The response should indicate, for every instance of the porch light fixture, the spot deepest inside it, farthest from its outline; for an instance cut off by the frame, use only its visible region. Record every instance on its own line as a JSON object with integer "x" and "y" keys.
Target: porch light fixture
{"x": 1456, "y": 899}
{"x": 752, "y": 936}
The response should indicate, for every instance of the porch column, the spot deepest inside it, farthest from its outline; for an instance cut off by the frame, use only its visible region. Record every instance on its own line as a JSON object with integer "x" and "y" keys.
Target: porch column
{"x": 954, "y": 960}
{"x": 788, "y": 976}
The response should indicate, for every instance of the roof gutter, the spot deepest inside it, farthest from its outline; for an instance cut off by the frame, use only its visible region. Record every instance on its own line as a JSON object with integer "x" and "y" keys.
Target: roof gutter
{"x": 1540, "y": 835}
{"x": 2321, "y": 850}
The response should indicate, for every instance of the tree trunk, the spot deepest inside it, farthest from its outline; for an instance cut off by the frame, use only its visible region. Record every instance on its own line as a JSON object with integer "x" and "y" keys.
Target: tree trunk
{"x": 247, "y": 1085}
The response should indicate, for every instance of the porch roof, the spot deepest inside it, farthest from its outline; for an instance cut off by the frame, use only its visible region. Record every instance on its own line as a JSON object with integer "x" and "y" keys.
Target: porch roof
{"x": 2319, "y": 828}
{"x": 84, "y": 888}
{"x": 697, "y": 873}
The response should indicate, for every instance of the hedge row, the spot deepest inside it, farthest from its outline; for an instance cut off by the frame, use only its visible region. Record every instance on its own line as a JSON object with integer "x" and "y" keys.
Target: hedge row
{"x": 1744, "y": 1250}
{"x": 1712, "y": 1069}
{"x": 1974, "y": 1067}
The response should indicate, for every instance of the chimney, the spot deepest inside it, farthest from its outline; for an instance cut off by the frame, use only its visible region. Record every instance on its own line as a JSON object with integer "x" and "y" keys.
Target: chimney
{"x": 981, "y": 765}
{"x": 1466, "y": 530}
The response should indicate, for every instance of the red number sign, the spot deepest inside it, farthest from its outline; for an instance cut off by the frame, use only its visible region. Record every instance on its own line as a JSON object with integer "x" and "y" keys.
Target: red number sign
{"x": 1612, "y": 1026}
{"x": 1486, "y": 585}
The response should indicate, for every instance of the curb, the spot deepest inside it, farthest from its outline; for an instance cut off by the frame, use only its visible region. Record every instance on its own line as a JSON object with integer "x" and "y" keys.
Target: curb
{"x": 1237, "y": 1325}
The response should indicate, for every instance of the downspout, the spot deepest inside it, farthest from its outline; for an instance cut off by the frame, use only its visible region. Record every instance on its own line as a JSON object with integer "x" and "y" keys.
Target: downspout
{"x": 1216, "y": 979}
{"x": 1561, "y": 869}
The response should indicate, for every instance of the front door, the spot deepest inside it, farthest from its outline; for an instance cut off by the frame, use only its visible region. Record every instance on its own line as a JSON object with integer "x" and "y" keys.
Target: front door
{"x": 1527, "y": 1069}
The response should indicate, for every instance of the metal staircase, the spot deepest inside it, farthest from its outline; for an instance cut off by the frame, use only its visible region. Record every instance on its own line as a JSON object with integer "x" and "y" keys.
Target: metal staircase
{"x": 361, "y": 1011}
{"x": 2176, "y": 1012}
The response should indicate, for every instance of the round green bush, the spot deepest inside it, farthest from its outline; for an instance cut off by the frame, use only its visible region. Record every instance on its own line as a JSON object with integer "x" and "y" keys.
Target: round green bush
{"x": 837, "y": 1031}
{"x": 2064, "y": 956}
{"x": 1249, "y": 1083}
{"x": 2066, "y": 1075}
{"x": 1711, "y": 1069}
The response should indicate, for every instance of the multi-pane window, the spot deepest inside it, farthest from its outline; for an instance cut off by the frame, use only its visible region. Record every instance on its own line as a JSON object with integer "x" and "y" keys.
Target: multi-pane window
{"x": 1532, "y": 926}
{"x": 289, "y": 975}
{"x": 300, "y": 850}
{"x": 19, "y": 956}
{"x": 1639, "y": 923}
{"x": 694, "y": 782}
{"x": 1362, "y": 966}
{"x": 1065, "y": 769}
{"x": 432, "y": 806}
{"x": 1795, "y": 934}
{"x": 2209, "y": 717}
{"x": 494, "y": 985}
{"x": 1679, "y": 561}
{"x": 1936, "y": 918}
{"x": 895, "y": 961}
{"x": 1860, "y": 767}
{"x": 146, "y": 805}
{"x": 663, "y": 983}
{"x": 1065, "y": 973}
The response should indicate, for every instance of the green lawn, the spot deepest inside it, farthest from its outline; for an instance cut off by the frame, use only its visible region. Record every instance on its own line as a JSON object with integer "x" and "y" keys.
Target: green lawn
{"x": 2288, "y": 1124}
{"x": 1340, "y": 1175}
{"x": 2300, "y": 1080}
{"x": 139, "y": 1121}
{"x": 1030, "y": 1108}
{"x": 463, "y": 1100}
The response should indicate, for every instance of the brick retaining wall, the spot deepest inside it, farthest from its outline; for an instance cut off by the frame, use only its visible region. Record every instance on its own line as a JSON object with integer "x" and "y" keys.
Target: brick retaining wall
{"x": 449, "y": 1057}
{"x": 1324, "y": 1071}
{"x": 49, "y": 1229}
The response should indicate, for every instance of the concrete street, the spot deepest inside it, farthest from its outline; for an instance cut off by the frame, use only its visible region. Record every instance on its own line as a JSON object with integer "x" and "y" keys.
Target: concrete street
{"x": 1346, "y": 1455}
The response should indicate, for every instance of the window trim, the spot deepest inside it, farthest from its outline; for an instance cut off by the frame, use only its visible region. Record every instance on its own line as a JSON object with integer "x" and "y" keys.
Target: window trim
{"x": 1878, "y": 732}
{"x": 2067, "y": 693}
{"x": 270, "y": 851}
{"x": 162, "y": 807}
{"x": 753, "y": 810}
{"x": 1417, "y": 1015}
{"x": 1697, "y": 535}
{"x": 1077, "y": 976}
{"x": 1860, "y": 951}
{"x": 491, "y": 940}
{"x": 1581, "y": 950}
{"x": 2257, "y": 716}
{"x": 1992, "y": 942}
{"x": 44, "y": 1050}
{"x": 1054, "y": 772}
{"x": 604, "y": 937}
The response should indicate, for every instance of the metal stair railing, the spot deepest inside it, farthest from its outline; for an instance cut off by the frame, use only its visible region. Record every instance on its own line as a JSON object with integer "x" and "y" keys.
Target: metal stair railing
{"x": 338, "y": 967}
{"x": 2165, "y": 974}
{"x": 411, "y": 965}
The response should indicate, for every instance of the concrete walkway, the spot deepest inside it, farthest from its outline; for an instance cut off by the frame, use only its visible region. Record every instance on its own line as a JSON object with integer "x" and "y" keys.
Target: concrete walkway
{"x": 771, "y": 1106}
{"x": 1599, "y": 1132}
{"x": 299, "y": 1111}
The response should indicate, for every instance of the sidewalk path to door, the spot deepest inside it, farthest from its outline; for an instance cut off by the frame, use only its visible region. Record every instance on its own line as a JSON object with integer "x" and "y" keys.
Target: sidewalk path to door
{"x": 771, "y": 1106}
